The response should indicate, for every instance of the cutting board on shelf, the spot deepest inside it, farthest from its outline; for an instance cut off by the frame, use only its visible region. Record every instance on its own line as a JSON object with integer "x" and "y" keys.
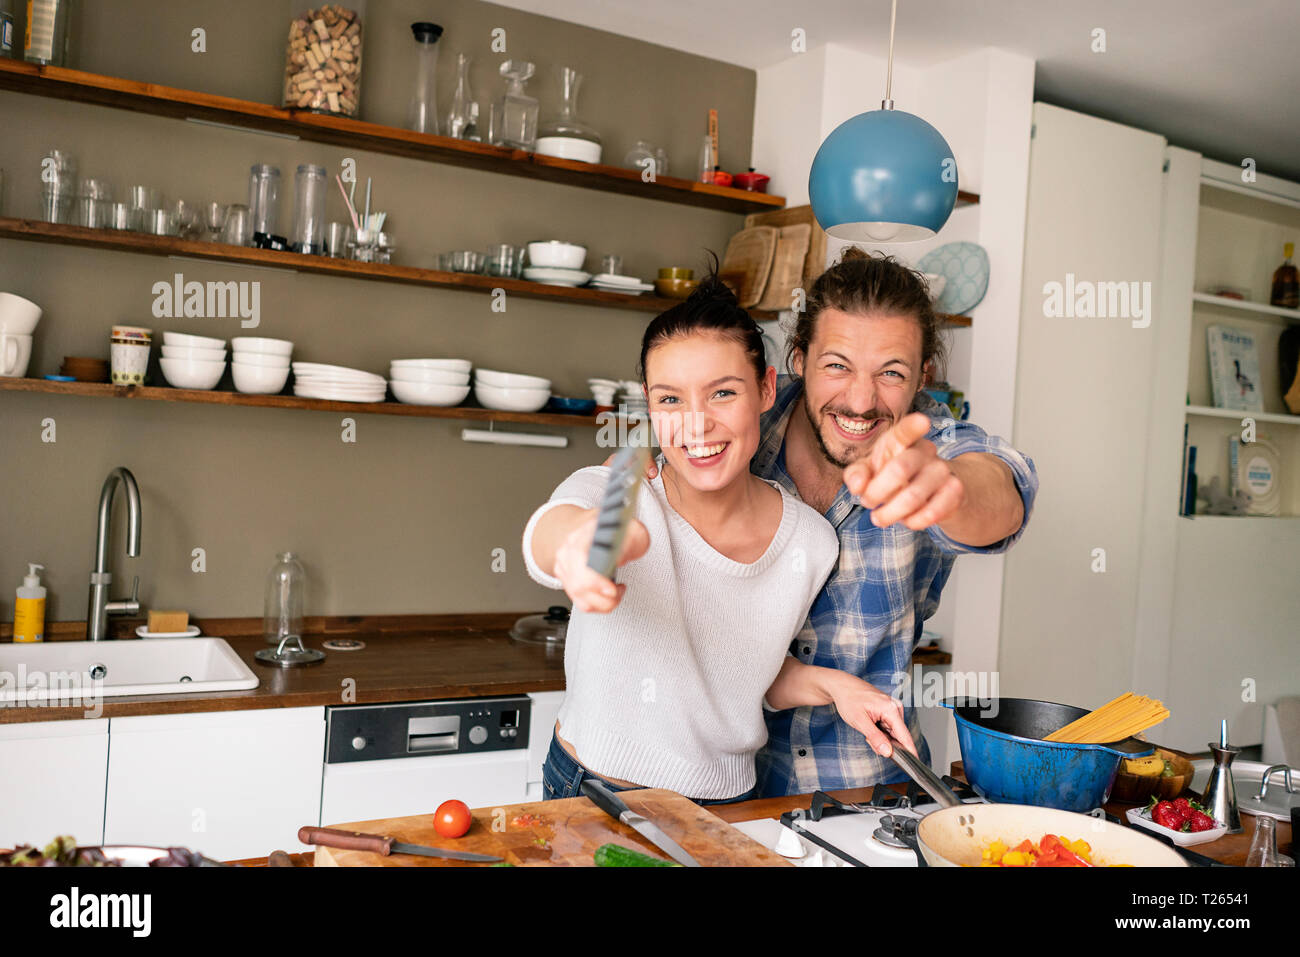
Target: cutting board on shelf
{"x": 814, "y": 263}
{"x": 562, "y": 833}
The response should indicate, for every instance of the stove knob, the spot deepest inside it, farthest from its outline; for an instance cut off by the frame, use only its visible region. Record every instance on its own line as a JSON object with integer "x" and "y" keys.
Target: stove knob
{"x": 358, "y": 743}
{"x": 477, "y": 734}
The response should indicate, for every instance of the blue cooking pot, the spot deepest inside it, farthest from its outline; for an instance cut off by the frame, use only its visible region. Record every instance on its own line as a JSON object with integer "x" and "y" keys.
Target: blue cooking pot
{"x": 1006, "y": 760}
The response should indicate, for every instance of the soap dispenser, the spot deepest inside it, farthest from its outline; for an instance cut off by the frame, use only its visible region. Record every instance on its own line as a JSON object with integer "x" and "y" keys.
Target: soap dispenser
{"x": 29, "y": 609}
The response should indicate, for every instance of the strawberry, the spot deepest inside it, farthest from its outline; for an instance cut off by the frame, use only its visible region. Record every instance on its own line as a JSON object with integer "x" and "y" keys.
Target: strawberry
{"x": 1201, "y": 822}
{"x": 1166, "y": 815}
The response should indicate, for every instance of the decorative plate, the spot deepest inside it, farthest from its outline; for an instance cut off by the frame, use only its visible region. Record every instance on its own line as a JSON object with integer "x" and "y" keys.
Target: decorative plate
{"x": 965, "y": 267}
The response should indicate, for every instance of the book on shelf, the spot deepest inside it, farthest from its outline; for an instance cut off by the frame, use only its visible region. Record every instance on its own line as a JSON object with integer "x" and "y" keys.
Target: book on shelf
{"x": 1234, "y": 369}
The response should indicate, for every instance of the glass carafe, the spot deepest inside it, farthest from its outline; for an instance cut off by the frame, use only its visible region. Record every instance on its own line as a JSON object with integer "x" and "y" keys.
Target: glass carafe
{"x": 567, "y": 124}
{"x": 513, "y": 121}
{"x": 464, "y": 111}
{"x": 285, "y": 593}
{"x": 422, "y": 113}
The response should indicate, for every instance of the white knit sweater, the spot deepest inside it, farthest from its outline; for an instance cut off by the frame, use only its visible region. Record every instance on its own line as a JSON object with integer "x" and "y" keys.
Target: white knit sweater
{"x": 667, "y": 690}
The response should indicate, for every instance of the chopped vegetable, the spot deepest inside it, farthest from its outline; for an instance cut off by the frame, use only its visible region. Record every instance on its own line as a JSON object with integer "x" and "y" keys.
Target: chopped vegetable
{"x": 1051, "y": 851}
{"x": 616, "y": 855}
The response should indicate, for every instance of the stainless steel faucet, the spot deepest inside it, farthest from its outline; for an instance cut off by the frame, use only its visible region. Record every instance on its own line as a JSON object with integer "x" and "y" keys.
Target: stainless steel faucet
{"x": 100, "y": 577}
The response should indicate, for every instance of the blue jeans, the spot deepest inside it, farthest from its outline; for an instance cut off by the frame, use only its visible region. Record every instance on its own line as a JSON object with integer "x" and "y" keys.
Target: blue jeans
{"x": 562, "y": 778}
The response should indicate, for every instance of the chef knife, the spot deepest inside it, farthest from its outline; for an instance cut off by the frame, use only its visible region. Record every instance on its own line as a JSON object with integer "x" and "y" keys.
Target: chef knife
{"x": 618, "y": 504}
{"x": 378, "y": 844}
{"x": 613, "y": 805}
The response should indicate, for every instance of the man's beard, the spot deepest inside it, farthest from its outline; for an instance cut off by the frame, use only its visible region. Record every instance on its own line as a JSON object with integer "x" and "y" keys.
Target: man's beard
{"x": 821, "y": 441}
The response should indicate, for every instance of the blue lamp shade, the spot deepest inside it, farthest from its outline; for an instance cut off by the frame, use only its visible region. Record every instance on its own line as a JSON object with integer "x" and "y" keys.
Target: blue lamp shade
{"x": 883, "y": 177}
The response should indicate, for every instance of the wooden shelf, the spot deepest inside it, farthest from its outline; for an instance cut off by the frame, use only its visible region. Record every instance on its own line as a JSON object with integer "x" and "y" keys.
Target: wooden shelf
{"x": 1256, "y": 310}
{"x": 1237, "y": 415}
{"x": 81, "y": 87}
{"x": 144, "y": 243}
{"x": 106, "y": 390}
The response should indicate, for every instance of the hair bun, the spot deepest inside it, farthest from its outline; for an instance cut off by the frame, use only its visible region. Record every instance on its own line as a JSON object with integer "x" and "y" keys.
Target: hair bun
{"x": 851, "y": 253}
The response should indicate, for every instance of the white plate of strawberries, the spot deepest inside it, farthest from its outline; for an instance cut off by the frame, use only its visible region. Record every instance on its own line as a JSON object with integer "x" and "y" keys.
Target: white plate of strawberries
{"x": 1184, "y": 821}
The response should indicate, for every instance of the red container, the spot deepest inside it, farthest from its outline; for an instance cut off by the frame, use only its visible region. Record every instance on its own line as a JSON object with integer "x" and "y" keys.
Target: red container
{"x": 754, "y": 182}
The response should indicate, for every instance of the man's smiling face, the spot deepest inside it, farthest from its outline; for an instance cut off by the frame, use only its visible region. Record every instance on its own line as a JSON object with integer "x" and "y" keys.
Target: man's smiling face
{"x": 860, "y": 376}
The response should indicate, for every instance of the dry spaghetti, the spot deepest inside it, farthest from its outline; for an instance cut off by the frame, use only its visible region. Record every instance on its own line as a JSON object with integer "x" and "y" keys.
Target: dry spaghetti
{"x": 1116, "y": 720}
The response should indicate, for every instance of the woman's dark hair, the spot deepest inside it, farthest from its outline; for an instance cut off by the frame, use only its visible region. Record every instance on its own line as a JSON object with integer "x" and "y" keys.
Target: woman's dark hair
{"x": 712, "y": 307}
{"x": 864, "y": 284}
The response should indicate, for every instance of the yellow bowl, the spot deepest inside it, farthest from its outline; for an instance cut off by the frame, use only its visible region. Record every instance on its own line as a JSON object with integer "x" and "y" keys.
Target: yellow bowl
{"x": 675, "y": 288}
{"x": 676, "y": 272}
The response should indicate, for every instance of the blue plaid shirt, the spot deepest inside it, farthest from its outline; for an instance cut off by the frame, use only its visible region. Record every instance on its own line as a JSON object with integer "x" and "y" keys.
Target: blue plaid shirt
{"x": 868, "y": 618}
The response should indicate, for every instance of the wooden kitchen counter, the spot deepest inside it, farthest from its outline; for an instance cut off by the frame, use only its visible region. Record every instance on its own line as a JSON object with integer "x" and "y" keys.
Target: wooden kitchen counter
{"x": 1230, "y": 849}
{"x": 405, "y": 658}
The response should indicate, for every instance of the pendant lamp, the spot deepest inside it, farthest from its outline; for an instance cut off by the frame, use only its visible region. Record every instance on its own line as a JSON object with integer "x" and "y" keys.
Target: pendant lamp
{"x": 885, "y": 176}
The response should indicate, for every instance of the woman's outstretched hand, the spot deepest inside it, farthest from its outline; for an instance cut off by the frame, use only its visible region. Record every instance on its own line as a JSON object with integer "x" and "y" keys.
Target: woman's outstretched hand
{"x": 589, "y": 590}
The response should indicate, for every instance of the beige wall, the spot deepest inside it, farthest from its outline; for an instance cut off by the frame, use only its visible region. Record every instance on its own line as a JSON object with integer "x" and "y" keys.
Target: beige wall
{"x": 405, "y": 519}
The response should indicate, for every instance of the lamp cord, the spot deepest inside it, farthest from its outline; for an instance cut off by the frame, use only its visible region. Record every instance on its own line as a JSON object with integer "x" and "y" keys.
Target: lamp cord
{"x": 888, "y": 104}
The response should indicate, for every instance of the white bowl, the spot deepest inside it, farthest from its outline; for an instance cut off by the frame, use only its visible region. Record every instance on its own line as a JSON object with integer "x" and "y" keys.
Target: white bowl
{"x": 428, "y": 393}
{"x": 185, "y": 352}
{"x": 511, "y": 380}
{"x": 440, "y": 376}
{"x": 447, "y": 365}
{"x": 262, "y": 359}
{"x": 258, "y": 380}
{"x": 566, "y": 147}
{"x": 192, "y": 373}
{"x": 192, "y": 342}
{"x": 511, "y": 400}
{"x": 556, "y": 254}
{"x": 274, "y": 347}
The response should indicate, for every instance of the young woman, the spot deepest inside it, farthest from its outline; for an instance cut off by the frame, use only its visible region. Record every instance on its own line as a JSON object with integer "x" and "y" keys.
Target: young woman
{"x": 668, "y": 671}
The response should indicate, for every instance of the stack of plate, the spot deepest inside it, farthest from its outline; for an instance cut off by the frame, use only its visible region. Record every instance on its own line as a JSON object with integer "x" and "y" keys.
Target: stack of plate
{"x": 633, "y": 399}
{"x": 312, "y": 380}
{"x": 429, "y": 381}
{"x": 556, "y": 276}
{"x": 613, "y": 282}
{"x": 510, "y": 392}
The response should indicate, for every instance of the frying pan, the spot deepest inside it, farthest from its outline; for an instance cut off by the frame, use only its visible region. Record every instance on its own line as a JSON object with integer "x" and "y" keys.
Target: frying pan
{"x": 956, "y": 835}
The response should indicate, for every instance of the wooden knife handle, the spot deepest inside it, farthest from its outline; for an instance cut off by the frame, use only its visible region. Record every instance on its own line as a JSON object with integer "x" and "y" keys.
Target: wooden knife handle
{"x": 279, "y": 859}
{"x": 348, "y": 840}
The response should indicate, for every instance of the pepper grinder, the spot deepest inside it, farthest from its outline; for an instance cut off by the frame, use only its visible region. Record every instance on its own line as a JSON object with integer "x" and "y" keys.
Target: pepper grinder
{"x": 1220, "y": 794}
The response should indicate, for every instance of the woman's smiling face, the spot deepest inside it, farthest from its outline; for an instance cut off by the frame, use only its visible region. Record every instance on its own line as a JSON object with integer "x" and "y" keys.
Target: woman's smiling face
{"x": 705, "y": 400}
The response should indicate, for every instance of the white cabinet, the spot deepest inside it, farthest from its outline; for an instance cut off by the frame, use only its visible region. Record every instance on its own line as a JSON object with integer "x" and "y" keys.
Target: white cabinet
{"x": 231, "y": 784}
{"x": 54, "y": 773}
{"x": 546, "y": 707}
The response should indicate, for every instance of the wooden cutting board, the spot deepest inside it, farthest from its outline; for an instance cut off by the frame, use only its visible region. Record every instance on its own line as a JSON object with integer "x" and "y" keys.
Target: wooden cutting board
{"x": 562, "y": 833}
{"x": 747, "y": 263}
{"x": 815, "y": 258}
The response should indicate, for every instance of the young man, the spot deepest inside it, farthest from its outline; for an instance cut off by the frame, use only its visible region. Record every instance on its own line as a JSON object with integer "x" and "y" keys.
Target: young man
{"x": 907, "y": 489}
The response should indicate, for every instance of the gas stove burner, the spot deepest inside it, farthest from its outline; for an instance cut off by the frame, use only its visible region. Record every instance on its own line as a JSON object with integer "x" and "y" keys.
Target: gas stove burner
{"x": 891, "y": 830}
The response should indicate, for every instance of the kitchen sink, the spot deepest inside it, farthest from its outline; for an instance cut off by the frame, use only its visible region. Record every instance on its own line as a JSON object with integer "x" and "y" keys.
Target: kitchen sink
{"x": 55, "y": 671}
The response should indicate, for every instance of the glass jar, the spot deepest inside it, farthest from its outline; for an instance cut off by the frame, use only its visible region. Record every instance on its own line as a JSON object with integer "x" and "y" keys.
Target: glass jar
{"x": 322, "y": 61}
{"x": 285, "y": 594}
{"x": 513, "y": 120}
{"x": 47, "y": 32}
{"x": 264, "y": 198}
{"x": 309, "y": 210}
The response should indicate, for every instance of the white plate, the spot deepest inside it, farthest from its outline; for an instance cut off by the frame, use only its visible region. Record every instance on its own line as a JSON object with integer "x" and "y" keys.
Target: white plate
{"x": 1139, "y": 817}
{"x": 191, "y": 632}
{"x": 556, "y": 277}
{"x": 336, "y": 372}
{"x": 618, "y": 279}
{"x": 334, "y": 395}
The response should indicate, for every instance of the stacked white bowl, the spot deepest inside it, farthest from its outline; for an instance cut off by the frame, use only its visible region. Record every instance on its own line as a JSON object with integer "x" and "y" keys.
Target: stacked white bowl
{"x": 314, "y": 380}
{"x": 511, "y": 392}
{"x": 192, "y": 362}
{"x": 429, "y": 381}
{"x": 260, "y": 366}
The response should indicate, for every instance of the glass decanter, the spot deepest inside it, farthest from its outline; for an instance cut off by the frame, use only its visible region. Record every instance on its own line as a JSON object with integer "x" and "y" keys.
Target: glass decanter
{"x": 285, "y": 586}
{"x": 464, "y": 111}
{"x": 513, "y": 121}
{"x": 567, "y": 124}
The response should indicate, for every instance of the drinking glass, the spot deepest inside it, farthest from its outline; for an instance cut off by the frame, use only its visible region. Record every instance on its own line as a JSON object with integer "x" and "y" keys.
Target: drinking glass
{"x": 214, "y": 214}
{"x": 238, "y": 230}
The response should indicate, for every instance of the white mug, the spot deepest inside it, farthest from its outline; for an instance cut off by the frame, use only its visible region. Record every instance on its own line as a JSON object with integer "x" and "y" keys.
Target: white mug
{"x": 15, "y": 353}
{"x": 18, "y": 316}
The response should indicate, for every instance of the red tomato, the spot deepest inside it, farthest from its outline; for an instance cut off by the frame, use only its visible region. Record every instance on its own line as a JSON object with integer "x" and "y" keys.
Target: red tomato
{"x": 452, "y": 819}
